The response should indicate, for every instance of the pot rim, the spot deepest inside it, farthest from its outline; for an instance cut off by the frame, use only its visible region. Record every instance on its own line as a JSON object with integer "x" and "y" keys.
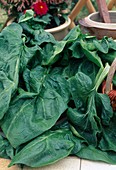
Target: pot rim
{"x": 59, "y": 28}
{"x": 109, "y": 26}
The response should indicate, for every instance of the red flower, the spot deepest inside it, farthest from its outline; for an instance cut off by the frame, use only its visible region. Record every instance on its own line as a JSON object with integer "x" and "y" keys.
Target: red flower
{"x": 40, "y": 8}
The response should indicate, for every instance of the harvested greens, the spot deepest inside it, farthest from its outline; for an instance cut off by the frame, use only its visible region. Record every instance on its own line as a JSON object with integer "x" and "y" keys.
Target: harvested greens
{"x": 51, "y": 104}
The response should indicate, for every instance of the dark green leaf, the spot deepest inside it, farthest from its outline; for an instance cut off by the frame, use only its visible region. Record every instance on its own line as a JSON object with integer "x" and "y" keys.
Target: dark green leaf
{"x": 32, "y": 114}
{"x": 97, "y": 155}
{"x": 46, "y": 149}
{"x": 92, "y": 56}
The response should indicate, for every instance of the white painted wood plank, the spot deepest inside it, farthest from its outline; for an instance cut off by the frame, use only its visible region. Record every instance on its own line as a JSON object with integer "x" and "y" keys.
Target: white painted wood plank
{"x": 69, "y": 163}
{"x": 92, "y": 165}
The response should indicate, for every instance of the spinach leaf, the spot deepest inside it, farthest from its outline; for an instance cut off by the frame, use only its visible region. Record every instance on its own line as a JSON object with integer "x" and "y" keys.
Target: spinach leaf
{"x": 35, "y": 78}
{"x": 104, "y": 110}
{"x": 73, "y": 35}
{"x": 46, "y": 149}
{"x": 32, "y": 114}
{"x": 91, "y": 55}
{"x": 108, "y": 139}
{"x": 41, "y": 36}
{"x": 6, "y": 150}
{"x": 102, "y": 45}
{"x": 85, "y": 117}
{"x": 77, "y": 53}
{"x": 51, "y": 57}
{"x": 97, "y": 154}
{"x": 9, "y": 64}
{"x": 27, "y": 54}
{"x": 55, "y": 80}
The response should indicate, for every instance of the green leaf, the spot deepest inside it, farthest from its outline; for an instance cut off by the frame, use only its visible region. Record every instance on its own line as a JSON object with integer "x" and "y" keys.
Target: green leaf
{"x": 77, "y": 50}
{"x": 27, "y": 16}
{"x": 104, "y": 110}
{"x": 109, "y": 57}
{"x": 92, "y": 56}
{"x": 73, "y": 34}
{"x": 27, "y": 54}
{"x": 80, "y": 86}
{"x": 57, "y": 20}
{"x": 35, "y": 78}
{"x": 45, "y": 19}
{"x": 53, "y": 55}
{"x": 102, "y": 45}
{"x": 86, "y": 122}
{"x": 101, "y": 76}
{"x": 46, "y": 149}
{"x": 112, "y": 44}
{"x": 32, "y": 114}
{"x": 41, "y": 37}
{"x": 54, "y": 80}
{"x": 6, "y": 150}
{"x": 108, "y": 139}
{"x": 9, "y": 64}
{"x": 91, "y": 153}
{"x": 40, "y": 77}
{"x": 7, "y": 87}
{"x": 89, "y": 68}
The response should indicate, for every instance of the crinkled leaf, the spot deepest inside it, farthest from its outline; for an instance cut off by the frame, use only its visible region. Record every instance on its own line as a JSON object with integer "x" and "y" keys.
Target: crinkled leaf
{"x": 88, "y": 68}
{"x": 80, "y": 87}
{"x": 43, "y": 19}
{"x": 86, "y": 121}
{"x": 10, "y": 45}
{"x": 97, "y": 155}
{"x": 102, "y": 45}
{"x": 92, "y": 56}
{"x": 27, "y": 53}
{"x": 112, "y": 43}
{"x": 76, "y": 50}
{"x": 109, "y": 57}
{"x": 41, "y": 37}
{"x": 32, "y": 114}
{"x": 104, "y": 108}
{"x": 40, "y": 77}
{"x": 6, "y": 150}
{"x": 73, "y": 34}
{"x": 108, "y": 140}
{"x": 52, "y": 57}
{"x": 46, "y": 149}
{"x": 56, "y": 81}
{"x": 27, "y": 16}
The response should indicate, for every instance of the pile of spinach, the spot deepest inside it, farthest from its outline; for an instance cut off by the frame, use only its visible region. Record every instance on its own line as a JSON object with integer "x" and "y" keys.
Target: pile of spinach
{"x": 51, "y": 104}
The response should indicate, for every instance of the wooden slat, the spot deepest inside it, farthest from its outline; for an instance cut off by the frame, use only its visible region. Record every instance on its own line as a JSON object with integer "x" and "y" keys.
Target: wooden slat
{"x": 79, "y": 5}
{"x": 102, "y": 7}
{"x": 69, "y": 163}
{"x": 90, "y": 7}
{"x": 111, "y": 4}
{"x": 77, "y": 9}
{"x": 91, "y": 165}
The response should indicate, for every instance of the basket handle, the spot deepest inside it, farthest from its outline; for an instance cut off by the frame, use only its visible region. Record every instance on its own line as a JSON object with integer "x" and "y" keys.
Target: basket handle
{"x": 110, "y": 77}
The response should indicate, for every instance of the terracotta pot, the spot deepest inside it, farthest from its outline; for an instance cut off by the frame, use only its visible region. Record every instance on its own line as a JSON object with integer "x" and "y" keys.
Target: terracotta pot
{"x": 61, "y": 31}
{"x": 94, "y": 25}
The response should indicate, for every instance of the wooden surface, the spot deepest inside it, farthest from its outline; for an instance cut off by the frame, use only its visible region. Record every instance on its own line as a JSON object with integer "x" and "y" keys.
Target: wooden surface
{"x": 79, "y": 5}
{"x": 111, "y": 4}
{"x": 102, "y": 7}
{"x": 70, "y": 163}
